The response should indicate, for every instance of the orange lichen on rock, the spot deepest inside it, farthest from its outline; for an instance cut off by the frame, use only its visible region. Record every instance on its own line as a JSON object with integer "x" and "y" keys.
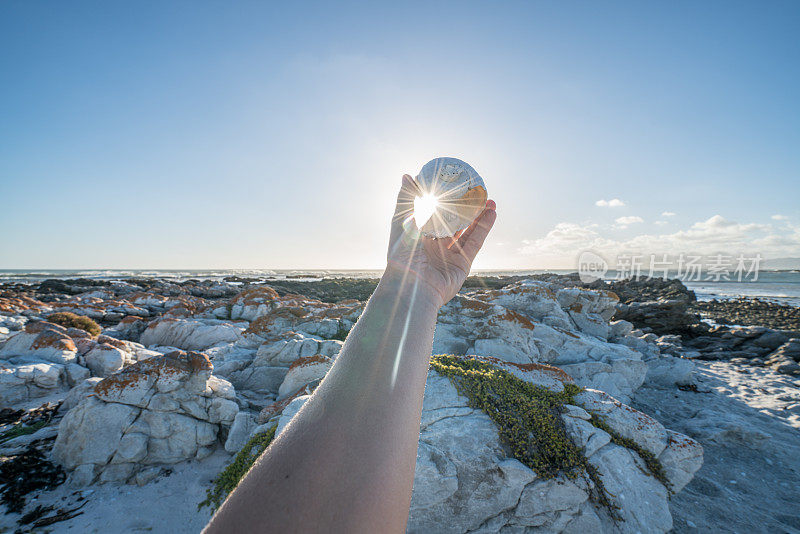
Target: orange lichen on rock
{"x": 255, "y": 296}
{"x": 536, "y": 290}
{"x": 263, "y": 324}
{"x": 37, "y": 327}
{"x": 54, "y": 339}
{"x": 549, "y": 370}
{"x": 309, "y": 360}
{"x": 610, "y": 294}
{"x": 107, "y": 340}
{"x": 278, "y": 406}
{"x": 175, "y": 363}
{"x": 19, "y": 304}
{"x": 475, "y": 305}
{"x": 511, "y": 315}
{"x": 186, "y": 306}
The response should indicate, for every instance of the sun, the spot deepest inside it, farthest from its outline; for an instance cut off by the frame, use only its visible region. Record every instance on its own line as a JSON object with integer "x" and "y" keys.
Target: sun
{"x": 424, "y": 208}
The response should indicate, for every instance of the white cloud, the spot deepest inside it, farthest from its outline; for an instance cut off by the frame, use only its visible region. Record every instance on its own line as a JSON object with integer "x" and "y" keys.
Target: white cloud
{"x": 560, "y": 247}
{"x": 631, "y": 219}
{"x": 613, "y": 203}
{"x": 566, "y": 239}
{"x": 668, "y": 214}
{"x": 661, "y": 223}
{"x": 779, "y": 217}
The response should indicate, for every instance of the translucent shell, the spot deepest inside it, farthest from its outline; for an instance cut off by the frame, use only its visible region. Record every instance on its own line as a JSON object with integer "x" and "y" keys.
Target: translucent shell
{"x": 460, "y": 192}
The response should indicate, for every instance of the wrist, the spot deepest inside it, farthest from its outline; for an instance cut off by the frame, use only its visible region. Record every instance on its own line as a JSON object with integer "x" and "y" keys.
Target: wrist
{"x": 408, "y": 286}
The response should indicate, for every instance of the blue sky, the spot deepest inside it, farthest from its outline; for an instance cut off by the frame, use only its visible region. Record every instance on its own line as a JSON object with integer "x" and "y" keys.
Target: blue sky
{"x": 256, "y": 135}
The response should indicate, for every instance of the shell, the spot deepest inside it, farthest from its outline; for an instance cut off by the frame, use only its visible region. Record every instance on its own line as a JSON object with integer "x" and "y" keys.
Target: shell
{"x": 460, "y": 191}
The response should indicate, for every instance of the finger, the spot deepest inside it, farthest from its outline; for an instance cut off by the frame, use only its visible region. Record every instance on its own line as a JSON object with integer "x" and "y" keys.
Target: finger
{"x": 474, "y": 241}
{"x": 404, "y": 207}
{"x": 405, "y": 197}
{"x": 455, "y": 241}
{"x": 490, "y": 205}
{"x": 461, "y": 237}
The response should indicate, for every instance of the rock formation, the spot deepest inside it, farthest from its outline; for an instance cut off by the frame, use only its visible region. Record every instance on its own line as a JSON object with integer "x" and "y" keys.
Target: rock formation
{"x": 156, "y": 412}
{"x": 135, "y": 402}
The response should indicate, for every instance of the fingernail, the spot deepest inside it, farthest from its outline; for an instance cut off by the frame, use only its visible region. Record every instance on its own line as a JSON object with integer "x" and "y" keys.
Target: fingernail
{"x": 490, "y": 205}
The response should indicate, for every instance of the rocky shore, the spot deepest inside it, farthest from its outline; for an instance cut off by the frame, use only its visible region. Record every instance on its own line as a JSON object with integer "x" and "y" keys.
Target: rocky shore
{"x": 750, "y": 312}
{"x": 137, "y": 394}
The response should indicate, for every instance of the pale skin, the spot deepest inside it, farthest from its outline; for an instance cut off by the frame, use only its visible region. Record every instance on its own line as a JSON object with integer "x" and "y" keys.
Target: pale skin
{"x": 346, "y": 461}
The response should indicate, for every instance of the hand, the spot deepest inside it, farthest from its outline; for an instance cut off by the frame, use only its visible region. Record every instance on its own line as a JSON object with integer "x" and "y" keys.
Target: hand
{"x": 441, "y": 264}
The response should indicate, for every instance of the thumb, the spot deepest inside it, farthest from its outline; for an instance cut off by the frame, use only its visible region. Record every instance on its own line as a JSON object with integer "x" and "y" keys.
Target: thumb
{"x": 404, "y": 207}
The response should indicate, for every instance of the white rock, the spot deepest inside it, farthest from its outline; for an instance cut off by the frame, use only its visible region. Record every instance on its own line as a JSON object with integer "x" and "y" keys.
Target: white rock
{"x": 644, "y": 503}
{"x": 190, "y": 334}
{"x": 302, "y": 372}
{"x": 626, "y": 421}
{"x": 159, "y": 411}
{"x": 81, "y": 390}
{"x": 222, "y": 411}
{"x": 45, "y": 343}
{"x": 289, "y": 412}
{"x": 669, "y": 372}
{"x": 585, "y": 435}
{"x": 30, "y": 379}
{"x": 549, "y": 496}
{"x": 681, "y": 459}
{"x": 239, "y": 433}
{"x": 620, "y": 328}
{"x": 108, "y": 421}
{"x": 104, "y": 360}
{"x": 76, "y": 373}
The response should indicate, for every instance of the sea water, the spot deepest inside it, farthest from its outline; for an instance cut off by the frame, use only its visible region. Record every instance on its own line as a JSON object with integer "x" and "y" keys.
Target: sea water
{"x": 777, "y": 286}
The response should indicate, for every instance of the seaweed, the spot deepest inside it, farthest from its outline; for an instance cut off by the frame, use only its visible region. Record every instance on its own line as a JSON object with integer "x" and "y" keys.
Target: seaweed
{"x": 25, "y": 473}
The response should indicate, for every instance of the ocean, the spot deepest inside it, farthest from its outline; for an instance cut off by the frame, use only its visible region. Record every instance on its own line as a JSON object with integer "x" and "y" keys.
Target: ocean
{"x": 777, "y": 286}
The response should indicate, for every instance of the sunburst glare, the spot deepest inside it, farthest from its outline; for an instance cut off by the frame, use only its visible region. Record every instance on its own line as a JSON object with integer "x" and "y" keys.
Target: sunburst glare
{"x": 424, "y": 208}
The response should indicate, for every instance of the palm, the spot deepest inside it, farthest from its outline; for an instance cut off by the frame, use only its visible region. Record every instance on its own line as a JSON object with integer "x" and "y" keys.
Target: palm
{"x": 443, "y": 264}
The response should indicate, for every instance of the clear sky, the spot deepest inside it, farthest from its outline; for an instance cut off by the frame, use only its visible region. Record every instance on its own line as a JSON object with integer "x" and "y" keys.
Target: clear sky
{"x": 258, "y": 135}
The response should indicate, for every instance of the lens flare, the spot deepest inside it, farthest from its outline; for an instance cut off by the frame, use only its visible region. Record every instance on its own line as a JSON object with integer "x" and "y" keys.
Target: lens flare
{"x": 424, "y": 208}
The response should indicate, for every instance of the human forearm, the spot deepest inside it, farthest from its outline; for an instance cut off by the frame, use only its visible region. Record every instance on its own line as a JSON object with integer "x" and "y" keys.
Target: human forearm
{"x": 354, "y": 443}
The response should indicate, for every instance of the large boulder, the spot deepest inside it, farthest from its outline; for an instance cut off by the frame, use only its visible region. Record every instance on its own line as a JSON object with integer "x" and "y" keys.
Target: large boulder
{"x": 465, "y": 480}
{"x": 786, "y": 359}
{"x": 261, "y": 366}
{"x": 539, "y": 322}
{"x": 105, "y": 359}
{"x": 42, "y": 340}
{"x": 30, "y": 379}
{"x": 303, "y": 371}
{"x": 158, "y": 411}
{"x": 190, "y": 334}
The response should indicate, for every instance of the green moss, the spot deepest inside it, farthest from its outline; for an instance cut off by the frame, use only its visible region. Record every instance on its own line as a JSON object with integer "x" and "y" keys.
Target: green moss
{"x": 71, "y": 320}
{"x": 653, "y": 464}
{"x": 21, "y": 429}
{"x": 230, "y": 477}
{"x": 341, "y": 333}
{"x": 528, "y": 418}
